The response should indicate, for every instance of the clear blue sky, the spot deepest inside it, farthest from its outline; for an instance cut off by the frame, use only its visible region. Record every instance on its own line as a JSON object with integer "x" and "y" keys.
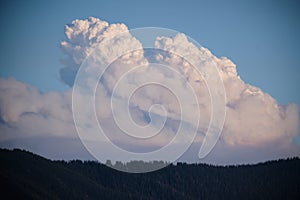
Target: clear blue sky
{"x": 261, "y": 37}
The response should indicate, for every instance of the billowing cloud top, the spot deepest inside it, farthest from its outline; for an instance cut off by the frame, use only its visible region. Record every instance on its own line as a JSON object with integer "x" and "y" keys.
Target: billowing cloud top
{"x": 254, "y": 120}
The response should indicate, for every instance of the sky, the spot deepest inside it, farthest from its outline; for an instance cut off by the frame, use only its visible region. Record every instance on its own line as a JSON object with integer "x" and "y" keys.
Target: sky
{"x": 260, "y": 37}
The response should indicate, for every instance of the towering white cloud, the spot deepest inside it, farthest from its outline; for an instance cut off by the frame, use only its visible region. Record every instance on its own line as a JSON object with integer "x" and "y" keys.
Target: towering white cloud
{"x": 254, "y": 120}
{"x": 82, "y": 37}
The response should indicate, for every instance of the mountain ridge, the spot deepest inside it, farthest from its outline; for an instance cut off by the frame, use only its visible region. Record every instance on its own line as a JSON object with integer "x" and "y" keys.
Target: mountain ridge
{"x": 29, "y": 176}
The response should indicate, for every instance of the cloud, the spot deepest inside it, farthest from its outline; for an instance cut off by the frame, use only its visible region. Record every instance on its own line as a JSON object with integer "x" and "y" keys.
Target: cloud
{"x": 27, "y": 112}
{"x": 82, "y": 36}
{"x": 39, "y": 122}
{"x": 254, "y": 120}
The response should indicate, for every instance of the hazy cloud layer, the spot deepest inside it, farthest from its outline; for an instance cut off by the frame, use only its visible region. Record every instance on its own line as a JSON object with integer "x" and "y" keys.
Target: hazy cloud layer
{"x": 254, "y": 123}
{"x": 27, "y": 112}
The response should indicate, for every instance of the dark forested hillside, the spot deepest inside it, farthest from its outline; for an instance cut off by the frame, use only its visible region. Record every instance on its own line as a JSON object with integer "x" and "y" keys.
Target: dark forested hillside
{"x": 24, "y": 175}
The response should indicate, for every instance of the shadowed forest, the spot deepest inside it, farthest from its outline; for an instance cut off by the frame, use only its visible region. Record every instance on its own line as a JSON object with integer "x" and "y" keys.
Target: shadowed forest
{"x": 24, "y": 175}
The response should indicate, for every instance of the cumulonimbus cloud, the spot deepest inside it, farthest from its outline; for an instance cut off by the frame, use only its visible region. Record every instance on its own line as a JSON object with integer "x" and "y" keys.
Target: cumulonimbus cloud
{"x": 254, "y": 119}
{"x": 82, "y": 36}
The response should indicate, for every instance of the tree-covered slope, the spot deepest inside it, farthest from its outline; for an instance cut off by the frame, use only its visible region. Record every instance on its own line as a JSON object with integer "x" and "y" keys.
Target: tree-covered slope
{"x": 24, "y": 175}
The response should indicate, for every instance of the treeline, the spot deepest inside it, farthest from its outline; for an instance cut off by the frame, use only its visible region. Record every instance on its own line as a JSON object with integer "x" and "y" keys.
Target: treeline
{"x": 24, "y": 175}
{"x": 137, "y": 166}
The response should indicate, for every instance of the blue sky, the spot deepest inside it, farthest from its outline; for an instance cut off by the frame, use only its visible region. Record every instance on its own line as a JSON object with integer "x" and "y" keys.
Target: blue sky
{"x": 261, "y": 37}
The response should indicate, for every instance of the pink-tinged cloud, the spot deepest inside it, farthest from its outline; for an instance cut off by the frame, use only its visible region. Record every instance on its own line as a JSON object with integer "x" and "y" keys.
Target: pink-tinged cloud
{"x": 256, "y": 127}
